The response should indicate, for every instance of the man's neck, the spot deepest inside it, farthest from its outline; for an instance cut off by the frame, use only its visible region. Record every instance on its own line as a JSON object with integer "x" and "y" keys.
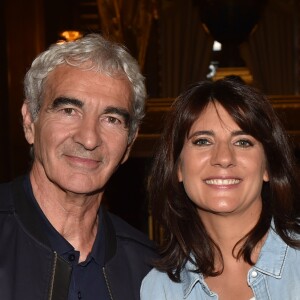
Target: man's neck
{"x": 74, "y": 216}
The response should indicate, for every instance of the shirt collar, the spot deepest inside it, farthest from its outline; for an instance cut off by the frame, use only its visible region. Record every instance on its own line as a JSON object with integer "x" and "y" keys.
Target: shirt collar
{"x": 59, "y": 243}
{"x": 190, "y": 278}
{"x": 270, "y": 262}
{"x": 62, "y": 246}
{"x": 98, "y": 249}
{"x": 272, "y": 255}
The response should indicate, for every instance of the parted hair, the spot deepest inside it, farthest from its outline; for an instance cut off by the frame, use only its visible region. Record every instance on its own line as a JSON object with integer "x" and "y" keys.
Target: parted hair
{"x": 183, "y": 230}
{"x": 91, "y": 52}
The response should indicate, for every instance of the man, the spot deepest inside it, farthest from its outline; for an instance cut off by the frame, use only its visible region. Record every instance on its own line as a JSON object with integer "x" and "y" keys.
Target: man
{"x": 84, "y": 102}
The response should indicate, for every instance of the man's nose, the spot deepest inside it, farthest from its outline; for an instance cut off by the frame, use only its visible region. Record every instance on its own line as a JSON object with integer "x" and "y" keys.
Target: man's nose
{"x": 223, "y": 155}
{"x": 88, "y": 133}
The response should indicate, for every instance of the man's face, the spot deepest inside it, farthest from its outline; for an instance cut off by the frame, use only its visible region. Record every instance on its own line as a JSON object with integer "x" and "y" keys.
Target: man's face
{"x": 81, "y": 134}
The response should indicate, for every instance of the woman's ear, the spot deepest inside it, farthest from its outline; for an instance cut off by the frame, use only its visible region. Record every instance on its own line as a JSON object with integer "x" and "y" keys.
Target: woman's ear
{"x": 179, "y": 172}
{"x": 266, "y": 176}
{"x": 28, "y": 125}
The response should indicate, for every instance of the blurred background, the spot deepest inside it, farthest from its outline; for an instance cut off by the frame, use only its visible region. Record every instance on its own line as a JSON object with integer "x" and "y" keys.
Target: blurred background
{"x": 176, "y": 43}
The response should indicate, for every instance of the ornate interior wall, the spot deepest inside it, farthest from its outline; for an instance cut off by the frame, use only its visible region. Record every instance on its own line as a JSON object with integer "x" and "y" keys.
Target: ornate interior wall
{"x": 30, "y": 26}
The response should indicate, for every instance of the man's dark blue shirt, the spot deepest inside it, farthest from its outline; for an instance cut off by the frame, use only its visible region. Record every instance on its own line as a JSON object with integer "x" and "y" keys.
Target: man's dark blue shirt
{"x": 87, "y": 281}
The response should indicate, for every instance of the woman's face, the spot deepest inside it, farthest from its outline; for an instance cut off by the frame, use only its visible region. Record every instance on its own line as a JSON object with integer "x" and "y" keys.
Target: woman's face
{"x": 221, "y": 167}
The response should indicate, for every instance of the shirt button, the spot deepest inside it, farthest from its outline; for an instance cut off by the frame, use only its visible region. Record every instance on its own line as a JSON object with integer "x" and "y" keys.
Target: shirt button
{"x": 254, "y": 274}
{"x": 79, "y": 295}
{"x": 71, "y": 257}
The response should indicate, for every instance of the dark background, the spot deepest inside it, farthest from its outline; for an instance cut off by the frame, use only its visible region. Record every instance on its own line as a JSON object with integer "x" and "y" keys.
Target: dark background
{"x": 178, "y": 53}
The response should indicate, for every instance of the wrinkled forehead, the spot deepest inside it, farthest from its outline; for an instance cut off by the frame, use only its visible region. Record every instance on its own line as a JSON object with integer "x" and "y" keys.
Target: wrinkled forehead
{"x": 65, "y": 72}
{"x": 87, "y": 85}
{"x": 89, "y": 66}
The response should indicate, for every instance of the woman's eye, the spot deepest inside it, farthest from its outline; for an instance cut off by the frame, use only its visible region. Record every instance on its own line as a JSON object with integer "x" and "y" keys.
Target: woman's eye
{"x": 244, "y": 143}
{"x": 201, "y": 142}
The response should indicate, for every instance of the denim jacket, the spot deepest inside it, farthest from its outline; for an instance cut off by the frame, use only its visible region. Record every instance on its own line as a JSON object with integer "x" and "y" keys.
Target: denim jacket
{"x": 275, "y": 276}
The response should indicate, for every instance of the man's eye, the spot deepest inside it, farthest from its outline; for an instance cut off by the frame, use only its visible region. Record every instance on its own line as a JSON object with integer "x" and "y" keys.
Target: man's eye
{"x": 244, "y": 143}
{"x": 69, "y": 111}
{"x": 113, "y": 120}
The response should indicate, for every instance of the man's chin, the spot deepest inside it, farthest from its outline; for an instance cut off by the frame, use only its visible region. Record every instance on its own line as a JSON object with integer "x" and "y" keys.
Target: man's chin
{"x": 81, "y": 184}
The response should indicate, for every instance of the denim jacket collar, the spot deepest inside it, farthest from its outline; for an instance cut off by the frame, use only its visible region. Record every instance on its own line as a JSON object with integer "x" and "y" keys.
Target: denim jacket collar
{"x": 270, "y": 262}
{"x": 190, "y": 279}
{"x": 272, "y": 256}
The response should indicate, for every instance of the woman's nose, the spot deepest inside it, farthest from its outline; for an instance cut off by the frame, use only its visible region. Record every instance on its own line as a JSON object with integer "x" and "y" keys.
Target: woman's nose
{"x": 223, "y": 155}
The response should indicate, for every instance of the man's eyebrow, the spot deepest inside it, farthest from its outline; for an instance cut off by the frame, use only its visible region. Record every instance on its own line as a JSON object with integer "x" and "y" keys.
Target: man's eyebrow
{"x": 124, "y": 113}
{"x": 61, "y": 101}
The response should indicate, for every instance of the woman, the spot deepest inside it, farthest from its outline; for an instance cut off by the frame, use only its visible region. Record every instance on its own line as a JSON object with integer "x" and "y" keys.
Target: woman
{"x": 223, "y": 187}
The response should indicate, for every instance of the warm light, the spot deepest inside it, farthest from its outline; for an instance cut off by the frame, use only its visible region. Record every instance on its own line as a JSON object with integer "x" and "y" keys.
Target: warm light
{"x": 217, "y": 46}
{"x": 71, "y": 35}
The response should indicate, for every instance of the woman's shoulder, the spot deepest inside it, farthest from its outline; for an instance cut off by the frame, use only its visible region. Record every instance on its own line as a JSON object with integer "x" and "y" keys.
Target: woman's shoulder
{"x": 158, "y": 285}
{"x": 156, "y": 277}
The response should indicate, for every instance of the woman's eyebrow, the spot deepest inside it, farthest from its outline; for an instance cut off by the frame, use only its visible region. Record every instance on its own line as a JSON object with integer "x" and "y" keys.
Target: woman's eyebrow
{"x": 239, "y": 132}
{"x": 61, "y": 101}
{"x": 211, "y": 133}
{"x": 201, "y": 132}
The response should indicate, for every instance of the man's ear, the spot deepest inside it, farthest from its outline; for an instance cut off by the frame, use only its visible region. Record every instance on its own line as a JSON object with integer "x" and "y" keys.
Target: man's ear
{"x": 28, "y": 124}
{"x": 129, "y": 146}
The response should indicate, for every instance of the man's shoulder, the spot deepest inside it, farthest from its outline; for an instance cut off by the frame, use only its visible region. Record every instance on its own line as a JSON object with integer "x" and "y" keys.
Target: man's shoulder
{"x": 6, "y": 201}
{"x": 5, "y": 187}
{"x": 11, "y": 192}
{"x": 127, "y": 232}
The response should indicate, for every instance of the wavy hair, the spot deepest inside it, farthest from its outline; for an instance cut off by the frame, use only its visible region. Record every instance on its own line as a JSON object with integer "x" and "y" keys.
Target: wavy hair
{"x": 91, "y": 52}
{"x": 177, "y": 214}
